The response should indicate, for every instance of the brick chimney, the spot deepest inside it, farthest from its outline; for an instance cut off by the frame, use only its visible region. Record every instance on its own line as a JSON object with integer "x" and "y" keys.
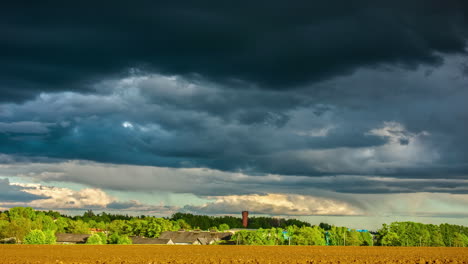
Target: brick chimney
{"x": 245, "y": 218}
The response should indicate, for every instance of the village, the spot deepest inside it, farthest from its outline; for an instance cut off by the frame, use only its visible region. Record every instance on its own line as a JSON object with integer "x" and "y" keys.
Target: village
{"x": 180, "y": 237}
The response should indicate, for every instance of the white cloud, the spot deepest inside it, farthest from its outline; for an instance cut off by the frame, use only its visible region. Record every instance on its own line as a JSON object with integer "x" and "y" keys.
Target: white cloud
{"x": 65, "y": 198}
{"x": 59, "y": 198}
{"x": 276, "y": 204}
{"x": 127, "y": 124}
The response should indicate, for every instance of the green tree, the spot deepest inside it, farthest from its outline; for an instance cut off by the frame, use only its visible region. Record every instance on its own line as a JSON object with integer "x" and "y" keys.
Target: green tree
{"x": 124, "y": 240}
{"x": 183, "y": 225}
{"x": 94, "y": 239}
{"x": 120, "y": 227}
{"x": 336, "y": 235}
{"x": 78, "y": 227}
{"x": 308, "y": 236}
{"x": 50, "y": 238}
{"x": 21, "y": 212}
{"x": 35, "y": 237}
{"x": 61, "y": 224}
{"x": 4, "y": 228}
{"x": 103, "y": 237}
{"x": 391, "y": 239}
{"x": 113, "y": 238}
{"x": 366, "y": 239}
{"x": 353, "y": 238}
{"x": 19, "y": 228}
{"x": 460, "y": 240}
{"x": 4, "y": 217}
{"x": 223, "y": 227}
{"x": 119, "y": 239}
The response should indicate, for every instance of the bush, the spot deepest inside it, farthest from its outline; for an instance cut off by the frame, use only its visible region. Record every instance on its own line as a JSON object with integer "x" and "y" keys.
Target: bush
{"x": 103, "y": 237}
{"x": 113, "y": 239}
{"x": 124, "y": 240}
{"x": 94, "y": 240}
{"x": 119, "y": 239}
{"x": 223, "y": 227}
{"x": 50, "y": 237}
{"x": 36, "y": 237}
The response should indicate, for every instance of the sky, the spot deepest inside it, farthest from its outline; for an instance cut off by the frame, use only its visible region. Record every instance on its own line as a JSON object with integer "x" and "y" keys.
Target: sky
{"x": 347, "y": 112}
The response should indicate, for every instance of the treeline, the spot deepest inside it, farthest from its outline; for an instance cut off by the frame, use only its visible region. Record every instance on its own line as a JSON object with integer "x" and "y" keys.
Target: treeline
{"x": 305, "y": 235}
{"x": 426, "y": 235}
{"x": 205, "y": 222}
{"x": 26, "y": 225}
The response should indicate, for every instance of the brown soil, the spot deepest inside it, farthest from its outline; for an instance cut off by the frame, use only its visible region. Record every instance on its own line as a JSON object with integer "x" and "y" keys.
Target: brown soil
{"x": 111, "y": 254}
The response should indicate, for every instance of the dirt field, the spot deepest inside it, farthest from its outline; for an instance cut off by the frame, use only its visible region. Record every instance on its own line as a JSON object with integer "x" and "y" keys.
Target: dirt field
{"x": 68, "y": 254}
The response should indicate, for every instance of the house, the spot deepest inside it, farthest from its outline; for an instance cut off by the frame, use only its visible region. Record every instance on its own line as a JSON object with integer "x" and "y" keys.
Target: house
{"x": 72, "y": 238}
{"x": 9, "y": 240}
{"x": 150, "y": 241}
{"x": 195, "y": 237}
{"x": 97, "y": 230}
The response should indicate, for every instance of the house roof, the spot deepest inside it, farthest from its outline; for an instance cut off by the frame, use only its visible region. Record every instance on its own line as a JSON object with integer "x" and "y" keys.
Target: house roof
{"x": 191, "y": 237}
{"x": 72, "y": 238}
{"x": 148, "y": 241}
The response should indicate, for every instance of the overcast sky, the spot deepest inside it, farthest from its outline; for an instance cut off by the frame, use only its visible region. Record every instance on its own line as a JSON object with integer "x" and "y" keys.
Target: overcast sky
{"x": 347, "y": 112}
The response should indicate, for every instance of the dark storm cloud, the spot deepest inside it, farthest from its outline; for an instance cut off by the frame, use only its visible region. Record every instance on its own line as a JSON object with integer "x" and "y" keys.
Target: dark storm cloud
{"x": 414, "y": 129}
{"x": 58, "y": 46}
{"x": 14, "y": 193}
{"x": 374, "y": 93}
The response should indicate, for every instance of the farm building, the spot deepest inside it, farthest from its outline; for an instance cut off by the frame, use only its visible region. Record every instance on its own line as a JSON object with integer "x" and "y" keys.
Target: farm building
{"x": 195, "y": 237}
{"x": 9, "y": 240}
{"x": 71, "y": 238}
{"x": 151, "y": 241}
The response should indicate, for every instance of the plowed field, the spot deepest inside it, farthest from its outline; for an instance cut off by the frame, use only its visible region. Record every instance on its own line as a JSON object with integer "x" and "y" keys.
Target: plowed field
{"x": 68, "y": 254}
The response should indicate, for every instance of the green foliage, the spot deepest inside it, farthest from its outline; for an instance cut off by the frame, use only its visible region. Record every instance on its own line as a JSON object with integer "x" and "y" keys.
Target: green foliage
{"x": 223, "y": 227}
{"x": 366, "y": 239}
{"x": 21, "y": 213}
{"x": 182, "y": 224}
{"x": 50, "y": 238}
{"x": 94, "y": 239}
{"x": 18, "y": 222}
{"x": 35, "y": 237}
{"x": 308, "y": 236}
{"x": 325, "y": 226}
{"x": 19, "y": 228}
{"x": 391, "y": 239}
{"x": 460, "y": 240}
{"x": 3, "y": 228}
{"x": 113, "y": 239}
{"x": 417, "y": 234}
{"x": 124, "y": 240}
{"x": 61, "y": 224}
{"x": 3, "y": 217}
{"x": 78, "y": 227}
{"x": 337, "y": 235}
{"x": 273, "y": 236}
{"x": 119, "y": 239}
{"x": 103, "y": 237}
{"x": 353, "y": 238}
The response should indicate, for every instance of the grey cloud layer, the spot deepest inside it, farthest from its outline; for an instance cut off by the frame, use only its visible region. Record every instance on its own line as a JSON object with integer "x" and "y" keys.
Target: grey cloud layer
{"x": 228, "y": 193}
{"x": 62, "y": 46}
{"x": 385, "y": 122}
{"x": 208, "y": 182}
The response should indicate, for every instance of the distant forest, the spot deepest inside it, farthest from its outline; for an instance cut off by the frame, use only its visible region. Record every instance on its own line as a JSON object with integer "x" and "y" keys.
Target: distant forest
{"x": 25, "y": 225}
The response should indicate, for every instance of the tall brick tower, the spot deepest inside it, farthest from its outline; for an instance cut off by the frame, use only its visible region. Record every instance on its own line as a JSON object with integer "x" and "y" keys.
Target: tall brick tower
{"x": 245, "y": 218}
